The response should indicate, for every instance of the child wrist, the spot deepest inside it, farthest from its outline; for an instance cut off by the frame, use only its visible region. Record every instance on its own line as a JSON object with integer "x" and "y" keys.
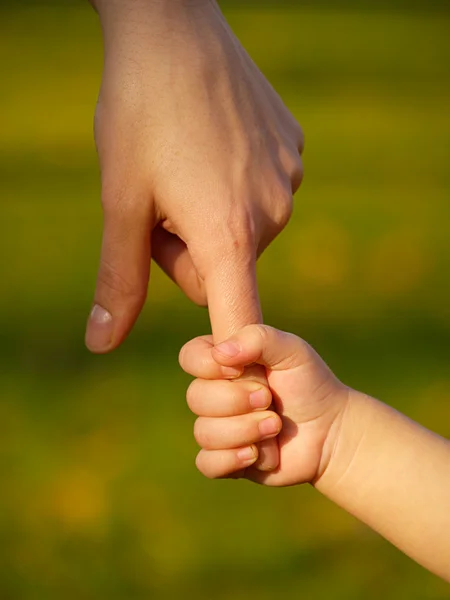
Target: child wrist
{"x": 334, "y": 444}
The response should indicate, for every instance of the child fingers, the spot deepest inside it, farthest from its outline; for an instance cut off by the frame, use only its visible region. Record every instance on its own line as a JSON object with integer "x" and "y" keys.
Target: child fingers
{"x": 215, "y": 464}
{"x": 196, "y": 359}
{"x": 227, "y": 398}
{"x": 236, "y": 432}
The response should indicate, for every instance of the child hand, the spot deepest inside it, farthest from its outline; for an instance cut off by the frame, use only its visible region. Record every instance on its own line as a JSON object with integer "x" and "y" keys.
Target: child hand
{"x": 368, "y": 458}
{"x": 235, "y": 415}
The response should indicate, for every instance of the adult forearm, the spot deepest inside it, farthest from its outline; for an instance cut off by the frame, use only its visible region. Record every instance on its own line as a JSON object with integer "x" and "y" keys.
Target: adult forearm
{"x": 130, "y": 26}
{"x": 395, "y": 476}
{"x": 120, "y": 4}
{"x": 123, "y": 7}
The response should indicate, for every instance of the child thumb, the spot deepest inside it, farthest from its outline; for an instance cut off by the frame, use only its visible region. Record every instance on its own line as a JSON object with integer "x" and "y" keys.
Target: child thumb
{"x": 262, "y": 345}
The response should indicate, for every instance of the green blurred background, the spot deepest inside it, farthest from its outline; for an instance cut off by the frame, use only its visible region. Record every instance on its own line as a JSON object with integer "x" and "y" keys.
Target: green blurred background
{"x": 100, "y": 498}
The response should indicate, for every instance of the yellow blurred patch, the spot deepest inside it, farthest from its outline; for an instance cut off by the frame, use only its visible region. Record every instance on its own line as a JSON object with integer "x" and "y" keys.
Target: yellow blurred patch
{"x": 433, "y": 410}
{"x": 78, "y": 499}
{"x": 322, "y": 255}
{"x": 397, "y": 263}
{"x": 154, "y": 514}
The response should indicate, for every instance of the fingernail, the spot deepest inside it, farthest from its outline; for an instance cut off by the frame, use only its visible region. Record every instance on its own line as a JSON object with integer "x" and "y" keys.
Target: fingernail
{"x": 266, "y": 468}
{"x": 269, "y": 426}
{"x": 228, "y": 349}
{"x": 247, "y": 455}
{"x": 231, "y": 372}
{"x": 259, "y": 399}
{"x": 100, "y": 329}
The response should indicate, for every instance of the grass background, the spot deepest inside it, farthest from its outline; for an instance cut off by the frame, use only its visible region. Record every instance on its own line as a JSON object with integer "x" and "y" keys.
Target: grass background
{"x": 99, "y": 494}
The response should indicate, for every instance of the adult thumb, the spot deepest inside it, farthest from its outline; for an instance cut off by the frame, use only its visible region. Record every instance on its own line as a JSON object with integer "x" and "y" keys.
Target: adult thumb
{"x": 123, "y": 275}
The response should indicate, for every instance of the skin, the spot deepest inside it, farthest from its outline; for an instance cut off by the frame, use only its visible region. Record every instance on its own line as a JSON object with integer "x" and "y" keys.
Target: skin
{"x": 374, "y": 462}
{"x": 199, "y": 160}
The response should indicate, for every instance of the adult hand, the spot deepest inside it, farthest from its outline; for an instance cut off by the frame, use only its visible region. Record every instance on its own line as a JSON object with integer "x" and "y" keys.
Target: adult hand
{"x": 199, "y": 160}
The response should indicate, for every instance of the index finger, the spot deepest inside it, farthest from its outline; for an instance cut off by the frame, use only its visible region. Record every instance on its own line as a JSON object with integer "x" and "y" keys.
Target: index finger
{"x": 232, "y": 292}
{"x": 196, "y": 359}
{"x": 233, "y": 302}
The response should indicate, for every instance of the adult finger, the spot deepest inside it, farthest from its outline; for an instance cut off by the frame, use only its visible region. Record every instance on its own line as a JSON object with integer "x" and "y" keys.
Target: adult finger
{"x": 172, "y": 255}
{"x": 233, "y": 302}
{"x": 124, "y": 271}
{"x": 232, "y": 290}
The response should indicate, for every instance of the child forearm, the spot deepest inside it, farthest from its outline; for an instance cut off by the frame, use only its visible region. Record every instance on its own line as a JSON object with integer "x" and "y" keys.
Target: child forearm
{"x": 394, "y": 475}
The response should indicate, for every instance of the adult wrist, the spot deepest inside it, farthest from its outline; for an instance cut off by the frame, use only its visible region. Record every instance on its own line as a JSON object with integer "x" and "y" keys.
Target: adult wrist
{"x": 124, "y": 22}
{"x": 123, "y": 8}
